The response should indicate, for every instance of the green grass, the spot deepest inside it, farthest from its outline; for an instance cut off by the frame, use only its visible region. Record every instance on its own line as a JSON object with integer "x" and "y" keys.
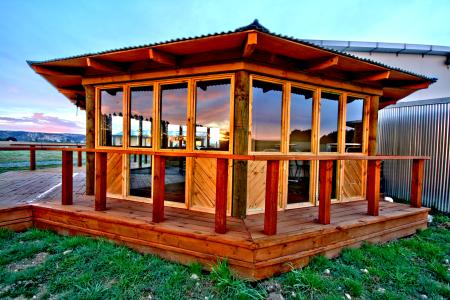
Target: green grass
{"x": 85, "y": 268}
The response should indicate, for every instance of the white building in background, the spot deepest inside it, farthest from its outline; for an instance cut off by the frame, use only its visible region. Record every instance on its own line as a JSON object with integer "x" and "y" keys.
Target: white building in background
{"x": 430, "y": 60}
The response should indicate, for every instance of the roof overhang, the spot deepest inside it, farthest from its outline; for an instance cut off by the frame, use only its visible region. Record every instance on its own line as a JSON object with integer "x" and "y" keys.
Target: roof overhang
{"x": 252, "y": 44}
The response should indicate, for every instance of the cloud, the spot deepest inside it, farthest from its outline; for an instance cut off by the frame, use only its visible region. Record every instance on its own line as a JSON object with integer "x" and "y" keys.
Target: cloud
{"x": 39, "y": 122}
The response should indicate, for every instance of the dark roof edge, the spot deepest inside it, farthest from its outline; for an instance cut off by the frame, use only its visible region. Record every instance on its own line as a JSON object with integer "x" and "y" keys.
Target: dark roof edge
{"x": 433, "y": 101}
{"x": 255, "y": 25}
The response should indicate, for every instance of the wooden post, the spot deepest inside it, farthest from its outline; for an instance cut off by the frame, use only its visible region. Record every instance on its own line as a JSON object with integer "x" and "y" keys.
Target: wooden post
{"x": 90, "y": 139}
{"x": 32, "y": 157}
{"x": 80, "y": 157}
{"x": 100, "y": 180}
{"x": 271, "y": 202}
{"x": 240, "y": 143}
{"x": 417, "y": 182}
{"x": 373, "y": 125}
{"x": 221, "y": 195}
{"x": 67, "y": 178}
{"x": 159, "y": 171}
{"x": 373, "y": 187}
{"x": 325, "y": 187}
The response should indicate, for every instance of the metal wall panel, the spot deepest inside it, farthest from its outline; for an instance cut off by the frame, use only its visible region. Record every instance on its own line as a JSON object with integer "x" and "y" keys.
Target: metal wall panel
{"x": 417, "y": 129}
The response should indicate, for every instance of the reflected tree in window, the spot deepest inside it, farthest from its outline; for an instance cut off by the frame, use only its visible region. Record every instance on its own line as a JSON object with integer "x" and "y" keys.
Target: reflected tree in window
{"x": 212, "y": 115}
{"x": 329, "y": 116}
{"x": 141, "y": 116}
{"x": 173, "y": 110}
{"x": 111, "y": 117}
{"x": 266, "y": 116}
{"x": 354, "y": 124}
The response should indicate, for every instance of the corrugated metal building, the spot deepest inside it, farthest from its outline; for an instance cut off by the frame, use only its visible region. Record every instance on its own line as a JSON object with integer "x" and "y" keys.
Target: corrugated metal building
{"x": 417, "y": 128}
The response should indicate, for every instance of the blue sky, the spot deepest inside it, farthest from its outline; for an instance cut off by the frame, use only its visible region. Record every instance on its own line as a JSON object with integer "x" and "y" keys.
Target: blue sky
{"x": 39, "y": 30}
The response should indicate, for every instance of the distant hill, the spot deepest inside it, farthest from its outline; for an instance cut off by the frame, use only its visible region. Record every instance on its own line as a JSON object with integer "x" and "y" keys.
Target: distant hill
{"x": 42, "y": 137}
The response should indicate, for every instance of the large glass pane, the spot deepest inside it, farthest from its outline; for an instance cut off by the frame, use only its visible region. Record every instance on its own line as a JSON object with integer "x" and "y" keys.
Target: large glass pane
{"x": 212, "y": 115}
{"x": 329, "y": 116}
{"x": 298, "y": 181}
{"x": 111, "y": 117}
{"x": 140, "y": 175}
{"x": 173, "y": 99}
{"x": 300, "y": 120}
{"x": 266, "y": 116}
{"x": 175, "y": 179}
{"x": 354, "y": 124}
{"x": 141, "y": 110}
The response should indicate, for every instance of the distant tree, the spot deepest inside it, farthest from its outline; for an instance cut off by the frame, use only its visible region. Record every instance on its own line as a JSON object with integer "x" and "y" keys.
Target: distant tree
{"x": 11, "y": 139}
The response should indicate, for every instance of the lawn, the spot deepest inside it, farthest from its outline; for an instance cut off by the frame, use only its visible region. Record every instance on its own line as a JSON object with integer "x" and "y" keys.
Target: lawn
{"x": 46, "y": 265}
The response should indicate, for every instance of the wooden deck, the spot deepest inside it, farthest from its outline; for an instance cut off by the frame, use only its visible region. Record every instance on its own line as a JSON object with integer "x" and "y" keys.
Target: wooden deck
{"x": 187, "y": 236}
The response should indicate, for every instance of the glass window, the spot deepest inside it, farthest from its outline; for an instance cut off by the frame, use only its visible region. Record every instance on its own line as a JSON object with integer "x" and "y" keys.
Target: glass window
{"x": 175, "y": 179}
{"x": 298, "y": 181}
{"x": 173, "y": 99}
{"x": 212, "y": 115}
{"x": 111, "y": 117}
{"x": 141, "y": 110}
{"x": 266, "y": 116}
{"x": 329, "y": 116}
{"x": 140, "y": 175}
{"x": 300, "y": 120}
{"x": 354, "y": 124}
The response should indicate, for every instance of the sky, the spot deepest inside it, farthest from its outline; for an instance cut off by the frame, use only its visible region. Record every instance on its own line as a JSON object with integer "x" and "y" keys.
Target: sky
{"x": 40, "y": 30}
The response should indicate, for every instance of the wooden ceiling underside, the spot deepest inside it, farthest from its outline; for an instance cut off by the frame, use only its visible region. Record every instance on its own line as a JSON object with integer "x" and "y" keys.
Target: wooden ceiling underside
{"x": 66, "y": 74}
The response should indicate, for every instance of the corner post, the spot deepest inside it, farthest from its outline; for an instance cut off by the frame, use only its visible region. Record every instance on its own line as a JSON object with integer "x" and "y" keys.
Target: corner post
{"x": 100, "y": 180}
{"x": 221, "y": 195}
{"x": 159, "y": 172}
{"x": 67, "y": 178}
{"x": 80, "y": 157}
{"x": 325, "y": 186}
{"x": 271, "y": 201}
{"x": 417, "y": 182}
{"x": 373, "y": 187}
{"x": 90, "y": 139}
{"x": 32, "y": 157}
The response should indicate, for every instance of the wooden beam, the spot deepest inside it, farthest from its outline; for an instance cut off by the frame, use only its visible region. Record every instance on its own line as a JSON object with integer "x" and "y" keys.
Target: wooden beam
{"x": 386, "y": 103}
{"x": 159, "y": 169}
{"x": 58, "y": 71}
{"x": 162, "y": 58}
{"x": 373, "y": 76}
{"x": 415, "y": 86}
{"x": 80, "y": 158}
{"x": 100, "y": 180}
{"x": 325, "y": 187}
{"x": 67, "y": 178}
{"x": 32, "y": 158}
{"x": 417, "y": 182}
{"x": 321, "y": 64}
{"x": 90, "y": 138}
{"x": 373, "y": 187}
{"x": 71, "y": 91}
{"x": 221, "y": 195}
{"x": 271, "y": 200}
{"x": 102, "y": 65}
{"x": 373, "y": 125}
{"x": 250, "y": 44}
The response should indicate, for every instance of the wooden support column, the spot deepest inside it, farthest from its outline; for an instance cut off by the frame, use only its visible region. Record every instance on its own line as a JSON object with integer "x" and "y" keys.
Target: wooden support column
{"x": 32, "y": 157}
{"x": 373, "y": 125}
{"x": 67, "y": 178}
{"x": 221, "y": 195}
{"x": 100, "y": 180}
{"x": 417, "y": 182}
{"x": 240, "y": 143}
{"x": 159, "y": 171}
{"x": 271, "y": 202}
{"x": 325, "y": 187}
{"x": 80, "y": 158}
{"x": 90, "y": 139}
{"x": 373, "y": 187}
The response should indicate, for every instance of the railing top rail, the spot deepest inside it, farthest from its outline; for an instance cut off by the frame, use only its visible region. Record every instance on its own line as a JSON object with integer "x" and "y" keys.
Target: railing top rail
{"x": 20, "y": 144}
{"x": 199, "y": 154}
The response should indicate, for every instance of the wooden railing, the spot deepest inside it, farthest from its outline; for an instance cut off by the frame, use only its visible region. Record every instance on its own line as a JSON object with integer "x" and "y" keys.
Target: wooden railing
{"x": 34, "y": 147}
{"x": 272, "y": 177}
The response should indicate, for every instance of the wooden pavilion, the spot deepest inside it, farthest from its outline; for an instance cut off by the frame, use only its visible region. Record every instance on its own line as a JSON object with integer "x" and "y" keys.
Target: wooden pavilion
{"x": 268, "y": 139}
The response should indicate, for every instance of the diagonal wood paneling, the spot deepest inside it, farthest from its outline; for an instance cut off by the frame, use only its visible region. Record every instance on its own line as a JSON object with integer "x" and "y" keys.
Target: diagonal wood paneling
{"x": 256, "y": 184}
{"x": 203, "y": 193}
{"x": 353, "y": 179}
{"x": 114, "y": 177}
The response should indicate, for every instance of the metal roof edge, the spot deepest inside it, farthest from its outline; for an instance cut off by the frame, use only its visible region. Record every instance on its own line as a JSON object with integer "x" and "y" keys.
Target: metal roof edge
{"x": 434, "y": 101}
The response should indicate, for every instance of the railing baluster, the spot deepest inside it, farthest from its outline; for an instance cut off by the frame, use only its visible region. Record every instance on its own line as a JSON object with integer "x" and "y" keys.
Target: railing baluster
{"x": 221, "y": 195}
{"x": 271, "y": 203}
{"x": 159, "y": 171}
{"x": 67, "y": 178}
{"x": 80, "y": 157}
{"x": 373, "y": 187}
{"x": 325, "y": 187}
{"x": 32, "y": 157}
{"x": 417, "y": 182}
{"x": 100, "y": 180}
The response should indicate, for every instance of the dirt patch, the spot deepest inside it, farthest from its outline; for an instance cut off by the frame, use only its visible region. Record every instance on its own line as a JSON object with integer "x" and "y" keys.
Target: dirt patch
{"x": 38, "y": 259}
